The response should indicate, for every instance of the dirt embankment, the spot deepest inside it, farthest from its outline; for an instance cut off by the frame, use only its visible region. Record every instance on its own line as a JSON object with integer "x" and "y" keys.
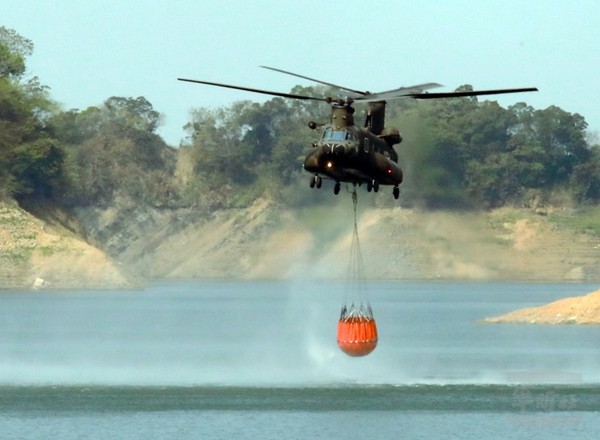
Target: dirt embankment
{"x": 36, "y": 254}
{"x": 505, "y": 244}
{"x": 266, "y": 240}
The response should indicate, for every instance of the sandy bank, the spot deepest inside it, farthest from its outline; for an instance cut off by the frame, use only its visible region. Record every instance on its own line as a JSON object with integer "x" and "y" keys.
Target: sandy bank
{"x": 574, "y": 310}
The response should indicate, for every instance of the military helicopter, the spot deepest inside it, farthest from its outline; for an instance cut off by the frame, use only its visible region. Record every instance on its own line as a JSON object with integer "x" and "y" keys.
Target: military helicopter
{"x": 348, "y": 153}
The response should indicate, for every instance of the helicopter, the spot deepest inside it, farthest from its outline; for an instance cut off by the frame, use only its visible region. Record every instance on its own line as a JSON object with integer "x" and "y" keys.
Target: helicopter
{"x": 348, "y": 153}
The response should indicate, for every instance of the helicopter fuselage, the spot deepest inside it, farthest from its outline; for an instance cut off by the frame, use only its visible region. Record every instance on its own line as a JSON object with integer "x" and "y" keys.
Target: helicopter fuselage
{"x": 355, "y": 156}
{"x": 347, "y": 153}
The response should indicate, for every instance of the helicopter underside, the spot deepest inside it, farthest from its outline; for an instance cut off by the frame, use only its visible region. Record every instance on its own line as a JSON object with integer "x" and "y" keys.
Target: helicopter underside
{"x": 371, "y": 169}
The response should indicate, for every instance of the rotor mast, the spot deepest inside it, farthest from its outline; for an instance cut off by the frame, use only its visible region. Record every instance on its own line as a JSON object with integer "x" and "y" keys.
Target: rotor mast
{"x": 375, "y": 120}
{"x": 342, "y": 116}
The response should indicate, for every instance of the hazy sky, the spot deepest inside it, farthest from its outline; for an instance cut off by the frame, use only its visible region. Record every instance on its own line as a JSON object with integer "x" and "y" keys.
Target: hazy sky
{"x": 88, "y": 51}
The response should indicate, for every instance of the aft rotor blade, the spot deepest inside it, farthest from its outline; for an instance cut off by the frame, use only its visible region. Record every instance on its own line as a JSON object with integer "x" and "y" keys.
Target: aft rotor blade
{"x": 398, "y": 93}
{"x": 358, "y": 92}
{"x": 264, "y": 92}
{"x": 469, "y": 93}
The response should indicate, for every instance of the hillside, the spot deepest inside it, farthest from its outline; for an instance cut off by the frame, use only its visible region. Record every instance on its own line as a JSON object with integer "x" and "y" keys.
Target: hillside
{"x": 39, "y": 254}
{"x": 269, "y": 241}
{"x": 125, "y": 243}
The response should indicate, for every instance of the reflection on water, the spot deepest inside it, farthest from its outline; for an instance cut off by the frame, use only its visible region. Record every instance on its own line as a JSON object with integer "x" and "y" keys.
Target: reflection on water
{"x": 283, "y": 334}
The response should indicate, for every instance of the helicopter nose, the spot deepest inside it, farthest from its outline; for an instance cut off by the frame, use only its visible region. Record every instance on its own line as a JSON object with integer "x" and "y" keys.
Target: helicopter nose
{"x": 338, "y": 149}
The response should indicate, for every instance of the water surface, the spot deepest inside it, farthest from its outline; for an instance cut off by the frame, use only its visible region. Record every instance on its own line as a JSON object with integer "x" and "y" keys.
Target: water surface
{"x": 259, "y": 360}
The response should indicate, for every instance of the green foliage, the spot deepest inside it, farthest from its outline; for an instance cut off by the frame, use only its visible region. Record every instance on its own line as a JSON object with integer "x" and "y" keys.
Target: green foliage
{"x": 585, "y": 219}
{"x": 247, "y": 150}
{"x": 131, "y": 114}
{"x": 457, "y": 153}
{"x": 30, "y": 159}
{"x": 586, "y": 178}
{"x": 113, "y": 150}
{"x": 36, "y": 166}
{"x": 13, "y": 50}
{"x": 465, "y": 153}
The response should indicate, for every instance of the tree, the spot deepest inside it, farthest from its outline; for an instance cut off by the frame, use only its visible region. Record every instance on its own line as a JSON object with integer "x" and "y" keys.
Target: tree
{"x": 113, "y": 149}
{"x": 586, "y": 176}
{"x": 434, "y": 153}
{"x": 13, "y": 50}
{"x": 464, "y": 152}
{"x": 132, "y": 113}
{"x": 30, "y": 158}
{"x": 249, "y": 148}
{"x": 36, "y": 166}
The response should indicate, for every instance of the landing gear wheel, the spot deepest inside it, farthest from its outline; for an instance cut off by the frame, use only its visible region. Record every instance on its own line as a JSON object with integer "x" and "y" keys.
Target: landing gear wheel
{"x": 396, "y": 192}
{"x": 369, "y": 186}
{"x": 315, "y": 181}
{"x": 336, "y": 188}
{"x": 375, "y": 186}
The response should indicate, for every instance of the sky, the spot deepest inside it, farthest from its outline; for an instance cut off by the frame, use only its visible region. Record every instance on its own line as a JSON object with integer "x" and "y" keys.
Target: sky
{"x": 88, "y": 51}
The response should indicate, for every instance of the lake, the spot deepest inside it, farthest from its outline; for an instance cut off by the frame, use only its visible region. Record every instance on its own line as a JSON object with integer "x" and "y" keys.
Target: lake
{"x": 224, "y": 359}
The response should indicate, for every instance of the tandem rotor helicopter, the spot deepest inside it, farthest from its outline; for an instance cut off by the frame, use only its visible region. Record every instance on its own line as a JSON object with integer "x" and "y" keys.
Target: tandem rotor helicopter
{"x": 352, "y": 154}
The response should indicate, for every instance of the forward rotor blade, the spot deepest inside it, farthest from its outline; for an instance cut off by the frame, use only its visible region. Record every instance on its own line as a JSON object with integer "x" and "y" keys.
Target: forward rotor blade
{"x": 358, "y": 92}
{"x": 471, "y": 93}
{"x": 264, "y": 92}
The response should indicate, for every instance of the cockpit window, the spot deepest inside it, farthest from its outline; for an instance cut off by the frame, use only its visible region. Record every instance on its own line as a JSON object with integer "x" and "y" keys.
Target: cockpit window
{"x": 341, "y": 135}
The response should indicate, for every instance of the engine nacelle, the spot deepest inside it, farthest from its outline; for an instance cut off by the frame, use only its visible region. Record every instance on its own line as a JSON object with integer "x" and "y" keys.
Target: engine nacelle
{"x": 391, "y": 136}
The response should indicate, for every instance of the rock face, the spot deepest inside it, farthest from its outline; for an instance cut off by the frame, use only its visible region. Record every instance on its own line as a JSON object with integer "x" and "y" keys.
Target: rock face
{"x": 267, "y": 240}
{"x": 574, "y": 310}
{"x": 100, "y": 247}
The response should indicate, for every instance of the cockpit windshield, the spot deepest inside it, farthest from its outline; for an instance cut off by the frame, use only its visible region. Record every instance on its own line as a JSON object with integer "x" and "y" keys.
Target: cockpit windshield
{"x": 338, "y": 135}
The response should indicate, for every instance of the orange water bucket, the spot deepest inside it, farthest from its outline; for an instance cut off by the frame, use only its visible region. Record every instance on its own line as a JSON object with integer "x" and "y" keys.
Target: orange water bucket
{"x": 357, "y": 335}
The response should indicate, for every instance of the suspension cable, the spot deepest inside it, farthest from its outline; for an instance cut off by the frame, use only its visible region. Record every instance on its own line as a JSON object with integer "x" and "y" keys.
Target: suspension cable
{"x": 355, "y": 297}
